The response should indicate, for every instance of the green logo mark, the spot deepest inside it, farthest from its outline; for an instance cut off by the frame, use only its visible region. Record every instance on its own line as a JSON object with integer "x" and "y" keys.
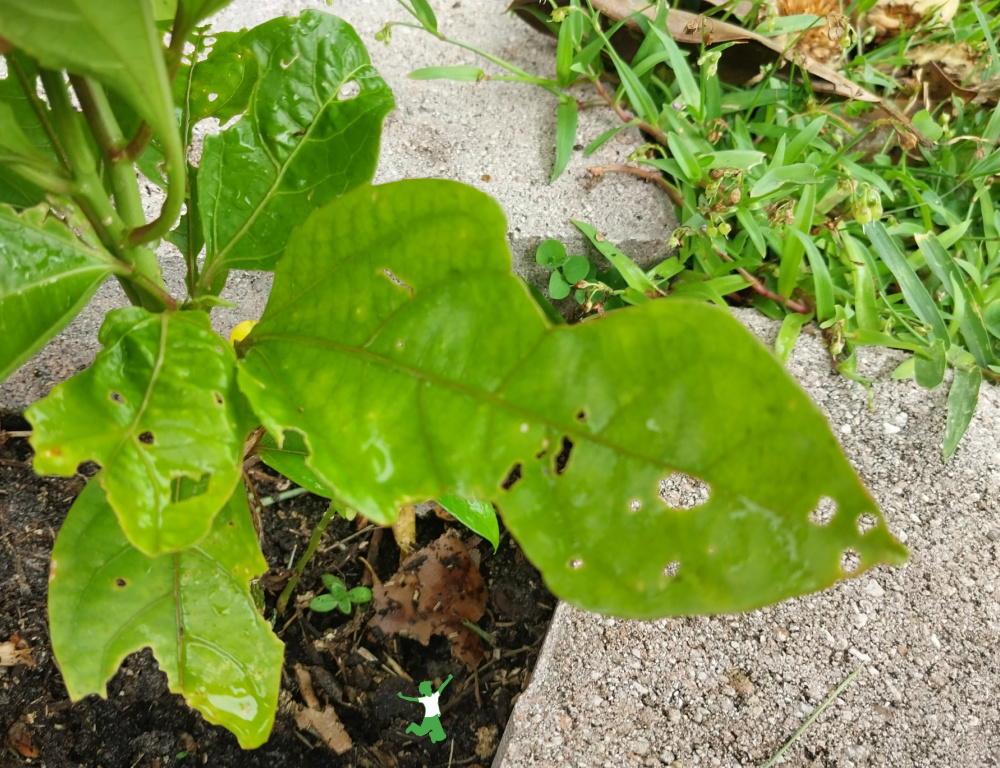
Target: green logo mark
{"x": 431, "y": 726}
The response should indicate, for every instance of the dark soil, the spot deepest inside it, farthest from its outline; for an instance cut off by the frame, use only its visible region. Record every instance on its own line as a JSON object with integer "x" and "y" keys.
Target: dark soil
{"x": 351, "y": 667}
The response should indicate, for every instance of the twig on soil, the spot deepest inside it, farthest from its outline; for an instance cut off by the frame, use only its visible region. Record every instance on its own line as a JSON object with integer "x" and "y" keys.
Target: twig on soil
{"x": 648, "y": 175}
{"x": 300, "y": 566}
{"x": 816, "y": 713}
{"x": 267, "y": 501}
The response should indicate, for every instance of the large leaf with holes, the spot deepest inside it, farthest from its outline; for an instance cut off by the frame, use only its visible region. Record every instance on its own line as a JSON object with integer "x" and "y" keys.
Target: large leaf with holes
{"x": 114, "y": 41}
{"x": 397, "y": 342}
{"x": 107, "y": 600}
{"x": 47, "y": 275}
{"x": 160, "y": 410}
{"x": 301, "y": 143}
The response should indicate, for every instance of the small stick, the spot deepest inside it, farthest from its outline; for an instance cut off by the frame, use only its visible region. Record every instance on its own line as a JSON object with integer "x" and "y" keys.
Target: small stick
{"x": 816, "y": 713}
{"x": 648, "y": 175}
{"x": 627, "y": 117}
{"x": 763, "y": 290}
{"x": 286, "y": 593}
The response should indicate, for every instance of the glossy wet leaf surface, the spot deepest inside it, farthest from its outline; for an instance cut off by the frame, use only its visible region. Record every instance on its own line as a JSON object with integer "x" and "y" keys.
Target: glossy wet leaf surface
{"x": 47, "y": 275}
{"x": 303, "y": 141}
{"x": 107, "y": 600}
{"x": 411, "y": 376}
{"x": 114, "y": 41}
{"x": 167, "y": 469}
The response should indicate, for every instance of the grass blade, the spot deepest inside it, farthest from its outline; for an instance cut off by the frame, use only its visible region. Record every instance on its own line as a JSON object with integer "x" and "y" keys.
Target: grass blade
{"x": 914, "y": 291}
{"x": 962, "y": 399}
{"x": 565, "y": 135}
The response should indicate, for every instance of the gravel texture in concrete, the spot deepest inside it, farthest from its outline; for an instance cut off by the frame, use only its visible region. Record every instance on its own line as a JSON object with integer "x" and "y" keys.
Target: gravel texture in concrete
{"x": 729, "y": 690}
{"x": 498, "y": 137}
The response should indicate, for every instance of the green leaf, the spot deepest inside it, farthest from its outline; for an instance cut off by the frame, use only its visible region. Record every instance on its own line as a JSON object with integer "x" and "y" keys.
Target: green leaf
{"x": 325, "y": 603}
{"x": 194, "y": 609}
{"x": 943, "y": 266}
{"x": 298, "y": 147}
{"x": 924, "y": 122}
{"x": 193, "y": 12}
{"x": 685, "y": 158}
{"x": 576, "y": 269}
{"x": 914, "y": 291}
{"x": 423, "y": 12}
{"x": 47, "y": 275}
{"x": 865, "y": 308}
{"x": 290, "y": 460}
{"x": 394, "y": 368}
{"x": 783, "y": 25}
{"x": 478, "y": 516}
{"x": 219, "y": 85}
{"x": 743, "y": 159}
{"x": 794, "y": 247}
{"x": 929, "y": 365}
{"x": 360, "y": 595}
{"x": 113, "y": 41}
{"x": 822, "y": 284}
{"x": 788, "y": 334}
{"x": 565, "y": 135}
{"x": 629, "y": 270}
{"x": 550, "y": 253}
{"x": 798, "y": 173}
{"x": 558, "y": 287}
{"x": 334, "y": 585}
{"x": 746, "y": 219}
{"x": 962, "y": 399}
{"x": 458, "y": 74}
{"x": 686, "y": 82}
{"x": 159, "y": 406}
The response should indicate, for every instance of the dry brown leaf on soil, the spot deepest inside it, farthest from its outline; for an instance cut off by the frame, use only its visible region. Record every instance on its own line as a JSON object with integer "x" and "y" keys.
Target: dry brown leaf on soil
{"x": 322, "y": 721}
{"x": 15, "y": 652}
{"x": 432, "y": 593}
{"x": 19, "y": 738}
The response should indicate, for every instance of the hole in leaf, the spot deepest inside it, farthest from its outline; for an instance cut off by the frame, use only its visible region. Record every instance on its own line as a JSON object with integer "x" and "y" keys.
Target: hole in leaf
{"x": 116, "y": 397}
{"x": 121, "y": 583}
{"x": 146, "y": 437}
{"x": 670, "y": 569}
{"x": 541, "y": 453}
{"x": 562, "y": 460}
{"x": 850, "y": 561}
{"x": 218, "y": 398}
{"x": 183, "y": 488}
{"x": 512, "y": 477}
{"x": 212, "y": 97}
{"x": 681, "y": 491}
{"x": 826, "y": 508}
{"x": 575, "y": 564}
{"x": 634, "y": 505}
{"x": 867, "y": 522}
{"x": 348, "y": 90}
{"x": 393, "y": 279}
{"x": 581, "y": 416}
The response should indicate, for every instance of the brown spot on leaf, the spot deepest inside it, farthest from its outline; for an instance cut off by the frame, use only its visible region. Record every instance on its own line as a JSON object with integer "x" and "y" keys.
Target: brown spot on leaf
{"x": 449, "y": 590}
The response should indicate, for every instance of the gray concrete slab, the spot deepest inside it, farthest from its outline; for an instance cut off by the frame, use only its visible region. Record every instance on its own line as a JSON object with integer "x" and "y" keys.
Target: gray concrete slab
{"x": 499, "y": 137}
{"x": 729, "y": 690}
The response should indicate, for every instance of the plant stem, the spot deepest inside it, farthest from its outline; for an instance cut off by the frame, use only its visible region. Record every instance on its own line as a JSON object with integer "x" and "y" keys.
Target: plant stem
{"x": 300, "y": 566}
{"x": 627, "y": 117}
{"x": 654, "y": 176}
{"x": 816, "y": 713}
{"x": 763, "y": 290}
{"x": 104, "y": 126}
{"x": 283, "y": 496}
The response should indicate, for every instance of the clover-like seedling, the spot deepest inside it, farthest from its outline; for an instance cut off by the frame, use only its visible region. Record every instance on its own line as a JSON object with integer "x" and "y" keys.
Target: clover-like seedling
{"x": 338, "y": 596}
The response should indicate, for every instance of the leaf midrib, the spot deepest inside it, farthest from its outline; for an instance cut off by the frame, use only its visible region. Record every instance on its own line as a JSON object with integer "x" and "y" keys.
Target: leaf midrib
{"x": 220, "y": 256}
{"x": 494, "y": 399}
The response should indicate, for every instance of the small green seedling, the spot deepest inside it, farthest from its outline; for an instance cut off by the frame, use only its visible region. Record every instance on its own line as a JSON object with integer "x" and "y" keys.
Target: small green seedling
{"x": 338, "y": 596}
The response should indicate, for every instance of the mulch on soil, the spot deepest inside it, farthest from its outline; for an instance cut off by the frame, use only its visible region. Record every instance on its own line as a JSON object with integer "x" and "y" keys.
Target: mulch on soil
{"x": 352, "y": 668}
